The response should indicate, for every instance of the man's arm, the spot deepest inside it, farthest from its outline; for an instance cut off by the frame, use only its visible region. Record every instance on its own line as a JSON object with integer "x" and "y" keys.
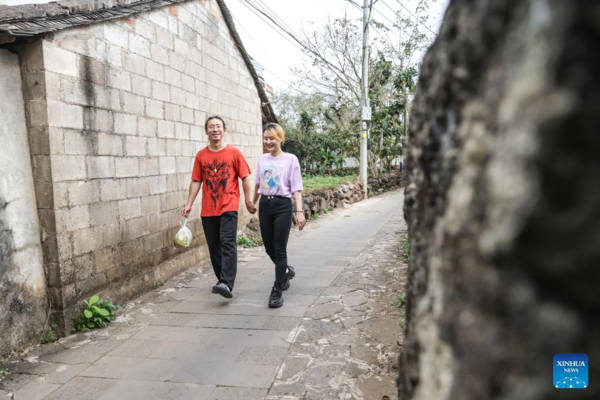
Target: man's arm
{"x": 194, "y": 189}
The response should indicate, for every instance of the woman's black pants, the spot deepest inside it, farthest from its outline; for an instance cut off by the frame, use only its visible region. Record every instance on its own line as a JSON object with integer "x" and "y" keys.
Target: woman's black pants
{"x": 275, "y": 216}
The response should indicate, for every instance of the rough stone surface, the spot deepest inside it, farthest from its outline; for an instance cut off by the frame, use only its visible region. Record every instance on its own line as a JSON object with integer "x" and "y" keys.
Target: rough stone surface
{"x": 502, "y": 202}
{"x": 22, "y": 282}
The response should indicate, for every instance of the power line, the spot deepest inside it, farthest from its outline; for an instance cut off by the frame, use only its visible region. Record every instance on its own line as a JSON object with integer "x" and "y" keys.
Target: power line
{"x": 275, "y": 75}
{"x": 415, "y": 17}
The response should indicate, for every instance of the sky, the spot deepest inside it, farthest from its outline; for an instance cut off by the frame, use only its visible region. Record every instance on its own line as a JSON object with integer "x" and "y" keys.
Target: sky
{"x": 273, "y": 49}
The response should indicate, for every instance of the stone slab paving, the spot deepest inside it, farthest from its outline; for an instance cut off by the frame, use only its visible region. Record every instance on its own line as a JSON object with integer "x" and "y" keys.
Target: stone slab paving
{"x": 337, "y": 336}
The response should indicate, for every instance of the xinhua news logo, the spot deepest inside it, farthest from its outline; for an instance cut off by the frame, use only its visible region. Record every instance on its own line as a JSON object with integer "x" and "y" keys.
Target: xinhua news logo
{"x": 571, "y": 371}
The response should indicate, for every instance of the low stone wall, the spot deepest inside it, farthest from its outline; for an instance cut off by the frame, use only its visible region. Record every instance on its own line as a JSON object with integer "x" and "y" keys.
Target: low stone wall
{"x": 316, "y": 201}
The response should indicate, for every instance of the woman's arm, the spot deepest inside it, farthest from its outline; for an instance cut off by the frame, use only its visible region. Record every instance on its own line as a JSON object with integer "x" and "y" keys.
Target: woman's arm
{"x": 298, "y": 212}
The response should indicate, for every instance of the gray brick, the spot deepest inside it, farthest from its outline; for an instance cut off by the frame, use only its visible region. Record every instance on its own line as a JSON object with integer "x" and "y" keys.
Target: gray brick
{"x": 196, "y": 133}
{"x": 104, "y": 213}
{"x": 155, "y": 71}
{"x": 151, "y": 205}
{"x": 160, "y": 91}
{"x": 60, "y": 60}
{"x": 81, "y": 192}
{"x": 116, "y": 35}
{"x": 129, "y": 209}
{"x": 108, "y": 144}
{"x": 139, "y": 45}
{"x": 112, "y": 189}
{"x": 78, "y": 142}
{"x": 118, "y": 79}
{"x": 157, "y": 147}
{"x": 137, "y": 187}
{"x": 72, "y": 219}
{"x": 98, "y": 120}
{"x": 173, "y": 77}
{"x": 125, "y": 123}
{"x": 135, "y": 63}
{"x": 155, "y": 109}
{"x": 135, "y": 146}
{"x": 157, "y": 184}
{"x": 187, "y": 115}
{"x": 166, "y": 129}
{"x": 178, "y": 95}
{"x": 172, "y": 112}
{"x": 149, "y": 166}
{"x": 101, "y": 167}
{"x": 182, "y": 131}
{"x": 168, "y": 165}
{"x": 159, "y": 54}
{"x": 165, "y": 39}
{"x": 63, "y": 115}
{"x": 114, "y": 55}
{"x": 107, "y": 98}
{"x": 126, "y": 167}
{"x": 145, "y": 29}
{"x": 141, "y": 85}
{"x": 159, "y": 17}
{"x": 147, "y": 127}
{"x": 132, "y": 104}
{"x": 68, "y": 168}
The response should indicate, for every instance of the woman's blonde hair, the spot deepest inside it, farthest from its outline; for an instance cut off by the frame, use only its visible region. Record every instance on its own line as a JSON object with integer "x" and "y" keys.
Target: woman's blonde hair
{"x": 276, "y": 130}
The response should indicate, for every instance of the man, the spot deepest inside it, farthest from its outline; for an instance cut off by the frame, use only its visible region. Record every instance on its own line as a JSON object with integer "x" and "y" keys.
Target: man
{"x": 217, "y": 168}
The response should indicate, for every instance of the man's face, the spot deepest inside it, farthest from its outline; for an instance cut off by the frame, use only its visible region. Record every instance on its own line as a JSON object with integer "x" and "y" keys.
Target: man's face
{"x": 215, "y": 130}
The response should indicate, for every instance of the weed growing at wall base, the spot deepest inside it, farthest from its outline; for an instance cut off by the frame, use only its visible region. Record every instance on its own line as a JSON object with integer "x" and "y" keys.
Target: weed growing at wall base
{"x": 49, "y": 335}
{"x": 249, "y": 242}
{"x": 97, "y": 314}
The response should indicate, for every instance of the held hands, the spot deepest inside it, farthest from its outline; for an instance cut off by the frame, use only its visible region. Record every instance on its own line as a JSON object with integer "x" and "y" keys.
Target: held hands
{"x": 186, "y": 211}
{"x": 251, "y": 207}
{"x": 299, "y": 220}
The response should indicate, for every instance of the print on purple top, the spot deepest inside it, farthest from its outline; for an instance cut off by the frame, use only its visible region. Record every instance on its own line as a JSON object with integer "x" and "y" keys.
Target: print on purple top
{"x": 278, "y": 176}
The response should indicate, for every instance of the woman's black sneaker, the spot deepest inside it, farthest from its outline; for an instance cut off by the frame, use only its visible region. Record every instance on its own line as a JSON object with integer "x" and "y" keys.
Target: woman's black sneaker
{"x": 276, "y": 299}
{"x": 288, "y": 277}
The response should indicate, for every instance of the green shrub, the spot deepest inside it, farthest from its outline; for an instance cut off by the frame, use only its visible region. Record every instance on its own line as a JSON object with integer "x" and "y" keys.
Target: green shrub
{"x": 97, "y": 314}
{"x": 49, "y": 335}
{"x": 249, "y": 242}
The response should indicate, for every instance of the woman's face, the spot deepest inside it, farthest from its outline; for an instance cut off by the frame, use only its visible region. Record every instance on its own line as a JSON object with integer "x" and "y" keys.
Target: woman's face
{"x": 271, "y": 143}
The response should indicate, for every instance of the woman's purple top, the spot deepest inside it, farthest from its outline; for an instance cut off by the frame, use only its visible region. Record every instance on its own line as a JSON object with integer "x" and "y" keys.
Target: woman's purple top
{"x": 278, "y": 176}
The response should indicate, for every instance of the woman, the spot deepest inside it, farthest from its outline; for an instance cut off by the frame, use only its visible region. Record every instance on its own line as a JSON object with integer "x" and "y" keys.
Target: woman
{"x": 278, "y": 178}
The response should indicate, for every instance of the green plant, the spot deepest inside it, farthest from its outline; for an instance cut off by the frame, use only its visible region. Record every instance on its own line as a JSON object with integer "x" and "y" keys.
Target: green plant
{"x": 406, "y": 247}
{"x": 4, "y": 373}
{"x": 49, "y": 335}
{"x": 158, "y": 284}
{"x": 249, "y": 242}
{"x": 325, "y": 211}
{"x": 401, "y": 300}
{"x": 97, "y": 314}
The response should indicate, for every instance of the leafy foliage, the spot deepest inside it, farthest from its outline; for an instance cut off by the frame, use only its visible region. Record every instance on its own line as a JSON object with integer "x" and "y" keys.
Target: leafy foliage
{"x": 249, "y": 242}
{"x": 323, "y": 129}
{"x": 97, "y": 314}
{"x": 49, "y": 335}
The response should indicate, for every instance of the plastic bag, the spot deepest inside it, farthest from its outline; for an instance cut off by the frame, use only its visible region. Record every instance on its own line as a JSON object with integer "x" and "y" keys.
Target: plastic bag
{"x": 184, "y": 237}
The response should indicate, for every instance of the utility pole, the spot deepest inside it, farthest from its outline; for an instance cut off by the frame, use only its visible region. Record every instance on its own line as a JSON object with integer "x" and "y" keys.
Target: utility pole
{"x": 365, "y": 106}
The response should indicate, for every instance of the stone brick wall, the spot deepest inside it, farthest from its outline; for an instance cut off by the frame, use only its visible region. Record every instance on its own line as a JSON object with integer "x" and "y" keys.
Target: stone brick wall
{"x": 116, "y": 114}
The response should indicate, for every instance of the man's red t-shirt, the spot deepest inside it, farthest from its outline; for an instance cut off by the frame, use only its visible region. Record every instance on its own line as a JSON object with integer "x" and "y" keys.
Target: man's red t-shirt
{"x": 219, "y": 172}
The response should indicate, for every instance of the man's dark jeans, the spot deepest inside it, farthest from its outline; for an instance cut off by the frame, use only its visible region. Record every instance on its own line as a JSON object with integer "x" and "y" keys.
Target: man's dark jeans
{"x": 221, "y": 234}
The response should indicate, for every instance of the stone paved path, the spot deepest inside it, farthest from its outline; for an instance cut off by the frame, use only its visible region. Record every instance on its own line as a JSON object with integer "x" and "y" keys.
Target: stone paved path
{"x": 337, "y": 336}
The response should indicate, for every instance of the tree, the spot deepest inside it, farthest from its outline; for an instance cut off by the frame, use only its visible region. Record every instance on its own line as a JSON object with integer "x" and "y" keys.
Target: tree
{"x": 334, "y": 73}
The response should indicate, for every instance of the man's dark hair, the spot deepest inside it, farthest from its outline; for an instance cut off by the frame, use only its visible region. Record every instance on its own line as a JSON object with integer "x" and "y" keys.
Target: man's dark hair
{"x": 214, "y": 117}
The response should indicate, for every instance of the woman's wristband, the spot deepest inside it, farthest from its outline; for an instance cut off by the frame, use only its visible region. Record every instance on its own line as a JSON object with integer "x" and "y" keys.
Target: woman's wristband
{"x": 299, "y": 211}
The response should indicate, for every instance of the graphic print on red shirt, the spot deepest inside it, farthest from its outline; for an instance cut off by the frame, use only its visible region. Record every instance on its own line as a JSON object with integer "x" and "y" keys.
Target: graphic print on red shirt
{"x": 216, "y": 174}
{"x": 219, "y": 172}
